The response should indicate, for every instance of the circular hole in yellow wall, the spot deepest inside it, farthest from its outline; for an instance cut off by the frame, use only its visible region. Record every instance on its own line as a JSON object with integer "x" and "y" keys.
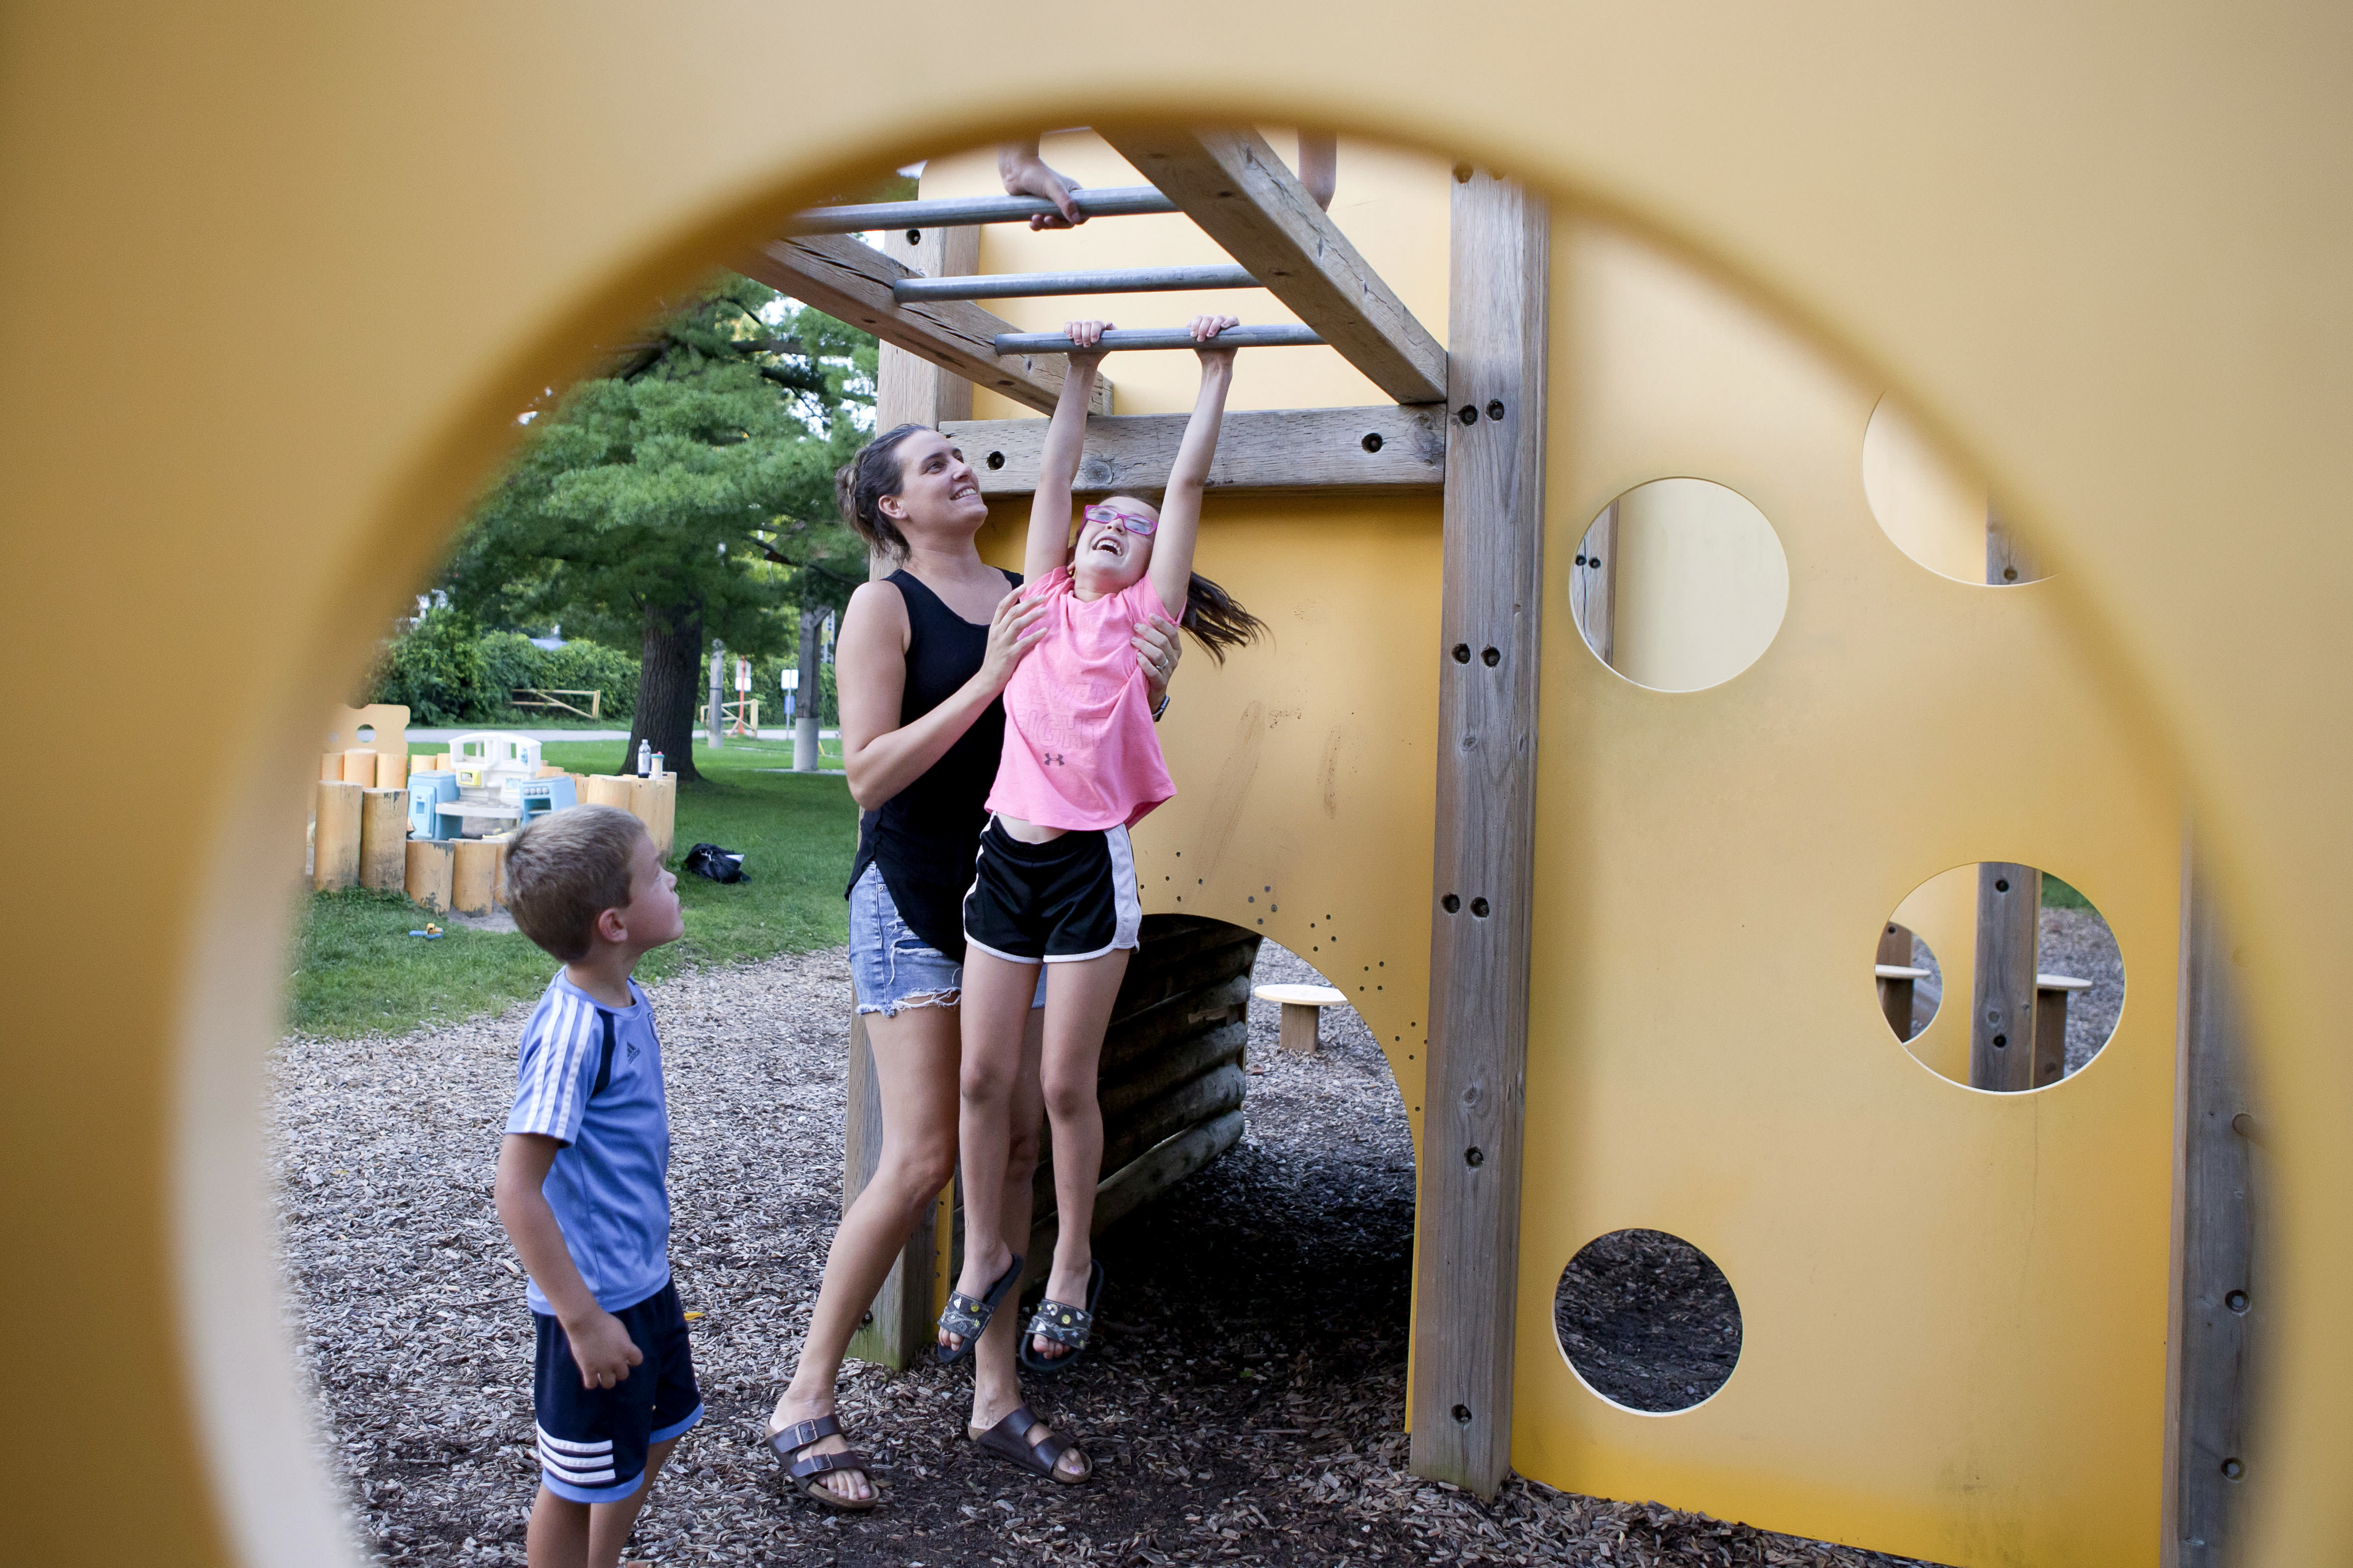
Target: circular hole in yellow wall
{"x": 1679, "y": 585}
{"x": 1648, "y": 1320}
{"x": 2033, "y": 974}
{"x": 1936, "y": 511}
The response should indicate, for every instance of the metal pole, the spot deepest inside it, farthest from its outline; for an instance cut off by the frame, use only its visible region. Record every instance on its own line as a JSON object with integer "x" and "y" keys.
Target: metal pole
{"x": 1112, "y": 201}
{"x": 714, "y": 737}
{"x": 804, "y": 723}
{"x": 1160, "y": 338}
{"x": 1118, "y": 280}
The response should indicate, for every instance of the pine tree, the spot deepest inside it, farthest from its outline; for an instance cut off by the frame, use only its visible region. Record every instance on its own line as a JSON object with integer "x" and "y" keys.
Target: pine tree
{"x": 683, "y": 497}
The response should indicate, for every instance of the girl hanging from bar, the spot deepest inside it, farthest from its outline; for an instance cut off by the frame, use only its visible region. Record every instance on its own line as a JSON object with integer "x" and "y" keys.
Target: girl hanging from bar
{"x": 1055, "y": 880}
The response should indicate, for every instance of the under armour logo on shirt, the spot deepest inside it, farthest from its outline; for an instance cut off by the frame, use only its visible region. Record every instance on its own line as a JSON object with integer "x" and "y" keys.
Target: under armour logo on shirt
{"x": 1052, "y": 759}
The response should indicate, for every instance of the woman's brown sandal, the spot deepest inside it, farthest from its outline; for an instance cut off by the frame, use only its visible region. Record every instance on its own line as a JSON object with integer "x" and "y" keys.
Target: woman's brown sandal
{"x": 1010, "y": 1439}
{"x": 807, "y": 1474}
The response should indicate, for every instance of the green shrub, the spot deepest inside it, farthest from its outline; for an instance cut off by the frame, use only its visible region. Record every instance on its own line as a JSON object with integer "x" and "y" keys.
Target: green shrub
{"x": 448, "y": 671}
{"x": 436, "y": 669}
{"x": 589, "y": 667}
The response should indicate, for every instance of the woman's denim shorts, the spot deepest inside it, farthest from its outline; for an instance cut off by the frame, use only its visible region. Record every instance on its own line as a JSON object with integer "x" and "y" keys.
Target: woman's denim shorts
{"x": 893, "y": 967}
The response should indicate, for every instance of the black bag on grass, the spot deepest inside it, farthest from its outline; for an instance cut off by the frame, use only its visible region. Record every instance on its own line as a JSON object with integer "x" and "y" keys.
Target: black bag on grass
{"x": 711, "y": 861}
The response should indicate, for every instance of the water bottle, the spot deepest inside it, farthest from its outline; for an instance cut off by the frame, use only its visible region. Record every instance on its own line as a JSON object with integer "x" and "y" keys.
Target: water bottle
{"x": 645, "y": 759}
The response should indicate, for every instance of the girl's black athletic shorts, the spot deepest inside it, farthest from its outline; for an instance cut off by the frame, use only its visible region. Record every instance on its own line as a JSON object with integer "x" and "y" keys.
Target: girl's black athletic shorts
{"x": 1067, "y": 898}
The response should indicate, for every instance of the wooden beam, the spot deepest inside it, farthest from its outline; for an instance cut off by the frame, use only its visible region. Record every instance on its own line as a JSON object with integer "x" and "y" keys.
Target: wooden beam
{"x": 898, "y": 1325}
{"x": 2219, "y": 1302}
{"x": 1382, "y": 448}
{"x": 1467, "y": 1222}
{"x": 1896, "y": 997}
{"x": 850, "y": 280}
{"x": 1593, "y": 590}
{"x": 1246, "y": 198}
{"x": 908, "y": 388}
{"x": 2001, "y": 1023}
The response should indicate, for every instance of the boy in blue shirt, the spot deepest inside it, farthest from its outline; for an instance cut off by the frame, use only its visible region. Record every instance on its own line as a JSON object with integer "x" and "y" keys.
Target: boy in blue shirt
{"x": 583, "y": 1184}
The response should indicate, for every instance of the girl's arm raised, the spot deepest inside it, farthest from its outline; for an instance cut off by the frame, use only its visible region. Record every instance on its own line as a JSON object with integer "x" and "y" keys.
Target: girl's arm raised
{"x": 1180, "y": 509}
{"x": 1058, "y": 464}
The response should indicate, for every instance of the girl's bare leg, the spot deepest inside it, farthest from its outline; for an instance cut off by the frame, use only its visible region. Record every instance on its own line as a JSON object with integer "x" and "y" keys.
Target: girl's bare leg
{"x": 997, "y": 1375}
{"x": 916, "y": 1069}
{"x": 1078, "y": 997}
{"x": 997, "y": 994}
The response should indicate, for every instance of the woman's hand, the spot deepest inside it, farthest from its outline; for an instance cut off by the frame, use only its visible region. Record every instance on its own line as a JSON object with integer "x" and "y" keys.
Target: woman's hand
{"x": 1205, "y": 330}
{"x": 1157, "y": 649}
{"x": 1086, "y": 336}
{"x": 1013, "y": 630}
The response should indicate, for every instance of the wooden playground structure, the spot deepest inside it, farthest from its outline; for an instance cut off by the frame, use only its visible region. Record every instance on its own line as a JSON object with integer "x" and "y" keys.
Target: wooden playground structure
{"x": 1578, "y": 365}
{"x": 2098, "y": 262}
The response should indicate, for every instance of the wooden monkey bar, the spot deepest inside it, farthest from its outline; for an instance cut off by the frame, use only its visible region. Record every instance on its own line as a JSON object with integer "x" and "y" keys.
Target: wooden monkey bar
{"x": 1229, "y": 183}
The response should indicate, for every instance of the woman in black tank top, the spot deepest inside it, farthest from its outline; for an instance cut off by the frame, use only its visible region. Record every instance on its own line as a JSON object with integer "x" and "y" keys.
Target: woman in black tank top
{"x": 923, "y": 658}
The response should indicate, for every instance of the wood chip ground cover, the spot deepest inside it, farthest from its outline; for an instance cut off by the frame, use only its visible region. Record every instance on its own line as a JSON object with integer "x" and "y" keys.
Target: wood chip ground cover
{"x": 1243, "y": 1403}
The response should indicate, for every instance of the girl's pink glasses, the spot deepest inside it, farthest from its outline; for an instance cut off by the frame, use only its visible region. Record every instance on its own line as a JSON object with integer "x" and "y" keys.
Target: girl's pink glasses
{"x": 1126, "y": 520}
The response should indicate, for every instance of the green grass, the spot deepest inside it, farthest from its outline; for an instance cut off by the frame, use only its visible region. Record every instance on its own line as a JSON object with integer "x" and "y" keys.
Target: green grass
{"x": 357, "y": 970}
{"x": 2058, "y": 895}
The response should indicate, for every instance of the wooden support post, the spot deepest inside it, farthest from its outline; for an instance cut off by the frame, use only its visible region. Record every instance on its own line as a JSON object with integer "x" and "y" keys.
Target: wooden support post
{"x": 1593, "y": 595}
{"x": 850, "y": 280}
{"x": 428, "y": 873}
{"x": 474, "y": 880}
{"x": 1467, "y": 1224}
{"x": 336, "y": 842}
{"x": 1246, "y": 198}
{"x": 2218, "y": 1305}
{"x": 1303, "y": 451}
{"x": 383, "y": 839}
{"x": 908, "y": 389}
{"x": 2001, "y": 1025}
{"x": 1895, "y": 993}
{"x": 2007, "y": 561}
{"x": 899, "y": 1324}
{"x": 392, "y": 770}
{"x": 654, "y": 801}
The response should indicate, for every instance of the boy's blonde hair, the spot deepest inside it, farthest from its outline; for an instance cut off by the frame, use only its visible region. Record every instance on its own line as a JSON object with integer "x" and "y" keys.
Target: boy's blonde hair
{"x": 566, "y": 869}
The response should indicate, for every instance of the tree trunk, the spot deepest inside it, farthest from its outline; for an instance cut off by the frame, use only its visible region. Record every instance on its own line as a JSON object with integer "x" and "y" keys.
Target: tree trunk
{"x": 669, "y": 682}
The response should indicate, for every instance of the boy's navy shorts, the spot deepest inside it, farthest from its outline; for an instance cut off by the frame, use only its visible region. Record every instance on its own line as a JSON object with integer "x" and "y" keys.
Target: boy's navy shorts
{"x": 592, "y": 1441}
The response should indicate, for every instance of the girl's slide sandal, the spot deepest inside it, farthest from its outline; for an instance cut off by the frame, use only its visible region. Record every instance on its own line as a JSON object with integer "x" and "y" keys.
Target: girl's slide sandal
{"x": 967, "y": 1319}
{"x": 1065, "y": 1325}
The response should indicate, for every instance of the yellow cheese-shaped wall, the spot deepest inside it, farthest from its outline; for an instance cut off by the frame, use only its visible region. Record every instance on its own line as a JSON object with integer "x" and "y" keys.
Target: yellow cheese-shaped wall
{"x": 2102, "y": 260}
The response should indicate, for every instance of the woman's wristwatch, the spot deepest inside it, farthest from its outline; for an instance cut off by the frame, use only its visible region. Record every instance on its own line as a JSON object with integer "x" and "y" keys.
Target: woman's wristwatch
{"x": 1160, "y": 707}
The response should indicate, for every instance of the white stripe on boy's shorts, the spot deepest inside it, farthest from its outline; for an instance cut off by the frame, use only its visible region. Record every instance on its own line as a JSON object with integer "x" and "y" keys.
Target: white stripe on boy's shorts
{"x": 564, "y": 1446}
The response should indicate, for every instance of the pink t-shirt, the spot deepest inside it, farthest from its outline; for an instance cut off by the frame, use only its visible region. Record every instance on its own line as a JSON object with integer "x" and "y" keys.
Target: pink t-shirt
{"x": 1080, "y": 749}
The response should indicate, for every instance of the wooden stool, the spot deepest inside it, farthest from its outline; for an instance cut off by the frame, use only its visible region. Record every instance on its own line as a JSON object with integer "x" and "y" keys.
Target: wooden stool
{"x": 2051, "y": 994}
{"x": 1301, "y": 1006}
{"x": 1896, "y": 982}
